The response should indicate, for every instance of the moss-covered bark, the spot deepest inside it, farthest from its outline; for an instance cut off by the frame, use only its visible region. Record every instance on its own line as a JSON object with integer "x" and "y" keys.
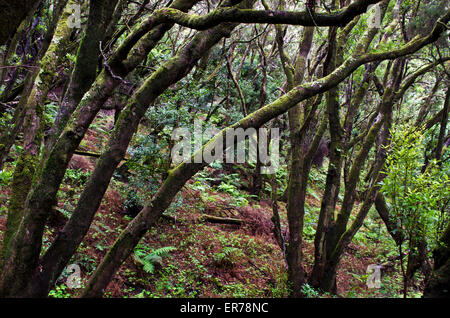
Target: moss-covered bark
{"x": 439, "y": 284}
{"x": 297, "y": 177}
{"x": 11, "y": 48}
{"x": 332, "y": 184}
{"x": 296, "y": 190}
{"x": 48, "y": 58}
{"x": 84, "y": 73}
{"x": 33, "y": 133}
{"x": 85, "y": 69}
{"x": 380, "y": 129}
{"x": 331, "y": 227}
{"x": 383, "y": 211}
{"x": 237, "y": 15}
{"x": 443, "y": 127}
{"x": 341, "y": 236}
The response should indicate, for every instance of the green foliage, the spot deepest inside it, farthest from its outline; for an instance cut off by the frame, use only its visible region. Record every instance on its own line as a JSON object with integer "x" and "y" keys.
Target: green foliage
{"x": 310, "y": 222}
{"x": 418, "y": 200}
{"x": 228, "y": 185}
{"x": 76, "y": 176}
{"x": 228, "y": 256}
{"x": 6, "y": 117}
{"x": 281, "y": 176}
{"x": 6, "y": 176}
{"x": 281, "y": 287}
{"x": 50, "y": 112}
{"x": 60, "y": 291}
{"x": 149, "y": 260}
{"x": 309, "y": 292}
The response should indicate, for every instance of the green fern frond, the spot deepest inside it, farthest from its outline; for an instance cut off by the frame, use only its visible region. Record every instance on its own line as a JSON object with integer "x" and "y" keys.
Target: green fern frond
{"x": 155, "y": 257}
{"x": 163, "y": 251}
{"x": 149, "y": 268}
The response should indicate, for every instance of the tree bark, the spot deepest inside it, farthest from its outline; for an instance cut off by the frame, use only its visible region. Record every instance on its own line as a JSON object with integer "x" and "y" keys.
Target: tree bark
{"x": 33, "y": 133}
{"x": 12, "y": 13}
{"x": 298, "y": 180}
{"x": 85, "y": 69}
{"x": 443, "y": 127}
{"x": 439, "y": 284}
{"x": 33, "y": 99}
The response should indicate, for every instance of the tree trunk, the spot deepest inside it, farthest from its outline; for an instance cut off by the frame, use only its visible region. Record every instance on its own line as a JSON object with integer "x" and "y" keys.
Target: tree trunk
{"x": 12, "y": 13}
{"x": 439, "y": 284}
{"x": 33, "y": 98}
{"x": 85, "y": 69}
{"x": 72, "y": 234}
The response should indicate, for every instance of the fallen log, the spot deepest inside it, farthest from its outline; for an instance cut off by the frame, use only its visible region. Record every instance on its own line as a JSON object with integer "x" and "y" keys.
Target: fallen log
{"x": 220, "y": 220}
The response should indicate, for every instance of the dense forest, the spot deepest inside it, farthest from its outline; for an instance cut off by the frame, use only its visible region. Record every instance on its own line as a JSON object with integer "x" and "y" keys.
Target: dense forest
{"x": 224, "y": 148}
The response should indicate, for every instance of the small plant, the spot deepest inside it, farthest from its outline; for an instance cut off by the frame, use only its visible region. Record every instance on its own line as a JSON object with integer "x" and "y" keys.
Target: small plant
{"x": 6, "y": 177}
{"x": 150, "y": 261}
{"x": 60, "y": 291}
{"x": 309, "y": 292}
{"x": 228, "y": 188}
{"x": 240, "y": 199}
{"x": 227, "y": 257}
{"x": 76, "y": 176}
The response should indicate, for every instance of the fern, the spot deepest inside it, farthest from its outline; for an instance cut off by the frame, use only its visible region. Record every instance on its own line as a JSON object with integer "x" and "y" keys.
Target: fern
{"x": 164, "y": 251}
{"x": 155, "y": 257}
{"x": 228, "y": 256}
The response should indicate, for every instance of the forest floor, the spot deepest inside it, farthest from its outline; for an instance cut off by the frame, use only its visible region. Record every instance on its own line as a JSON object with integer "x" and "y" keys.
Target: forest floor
{"x": 210, "y": 259}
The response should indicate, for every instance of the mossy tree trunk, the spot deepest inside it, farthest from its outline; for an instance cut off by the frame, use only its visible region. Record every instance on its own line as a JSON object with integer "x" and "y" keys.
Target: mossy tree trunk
{"x": 331, "y": 227}
{"x": 333, "y": 179}
{"x": 341, "y": 231}
{"x": 438, "y": 285}
{"x": 9, "y": 133}
{"x": 33, "y": 132}
{"x": 343, "y": 234}
{"x": 298, "y": 177}
{"x": 72, "y": 234}
{"x": 443, "y": 127}
{"x": 85, "y": 69}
